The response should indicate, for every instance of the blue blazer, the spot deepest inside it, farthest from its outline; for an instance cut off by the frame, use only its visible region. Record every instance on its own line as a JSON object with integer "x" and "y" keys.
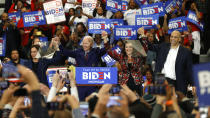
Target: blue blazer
{"x": 183, "y": 64}
{"x": 93, "y": 60}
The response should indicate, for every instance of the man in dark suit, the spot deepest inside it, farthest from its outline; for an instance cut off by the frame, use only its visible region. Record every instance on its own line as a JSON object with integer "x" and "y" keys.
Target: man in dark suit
{"x": 86, "y": 57}
{"x": 175, "y": 62}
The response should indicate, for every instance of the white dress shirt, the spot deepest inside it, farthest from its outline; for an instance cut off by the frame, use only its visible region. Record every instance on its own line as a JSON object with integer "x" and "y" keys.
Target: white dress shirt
{"x": 169, "y": 66}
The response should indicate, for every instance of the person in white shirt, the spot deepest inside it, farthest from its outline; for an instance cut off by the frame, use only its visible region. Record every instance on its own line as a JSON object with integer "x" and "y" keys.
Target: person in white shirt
{"x": 130, "y": 14}
{"x": 79, "y": 16}
{"x": 175, "y": 62}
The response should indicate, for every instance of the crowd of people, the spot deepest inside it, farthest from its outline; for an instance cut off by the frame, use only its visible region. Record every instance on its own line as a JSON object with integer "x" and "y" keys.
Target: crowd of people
{"x": 159, "y": 84}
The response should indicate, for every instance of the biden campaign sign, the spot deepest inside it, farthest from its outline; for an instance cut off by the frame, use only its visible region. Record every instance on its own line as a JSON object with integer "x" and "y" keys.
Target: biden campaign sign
{"x": 35, "y": 17}
{"x": 113, "y": 5}
{"x": 116, "y": 22}
{"x": 178, "y": 24}
{"x": 96, "y": 26}
{"x": 54, "y": 11}
{"x": 202, "y": 82}
{"x": 108, "y": 59}
{"x": 192, "y": 17}
{"x": 88, "y": 6}
{"x": 151, "y": 9}
{"x": 125, "y": 32}
{"x": 169, "y": 5}
{"x": 148, "y": 22}
{"x": 96, "y": 75}
{"x": 15, "y": 17}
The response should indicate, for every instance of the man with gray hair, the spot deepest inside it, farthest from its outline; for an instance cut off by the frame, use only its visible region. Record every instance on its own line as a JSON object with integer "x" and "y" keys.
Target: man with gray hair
{"x": 87, "y": 56}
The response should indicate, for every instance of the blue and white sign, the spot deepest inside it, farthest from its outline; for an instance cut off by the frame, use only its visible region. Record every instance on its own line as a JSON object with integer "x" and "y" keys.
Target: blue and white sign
{"x": 125, "y": 32}
{"x": 96, "y": 26}
{"x": 116, "y": 22}
{"x": 192, "y": 17}
{"x": 108, "y": 59}
{"x": 35, "y": 17}
{"x": 148, "y": 22}
{"x": 88, "y": 6}
{"x": 96, "y": 75}
{"x": 202, "y": 82}
{"x": 178, "y": 24}
{"x": 141, "y": 2}
{"x": 54, "y": 11}
{"x": 124, "y": 5}
{"x": 15, "y": 17}
{"x": 2, "y": 45}
{"x": 151, "y": 9}
{"x": 169, "y": 5}
{"x": 113, "y": 5}
{"x": 51, "y": 72}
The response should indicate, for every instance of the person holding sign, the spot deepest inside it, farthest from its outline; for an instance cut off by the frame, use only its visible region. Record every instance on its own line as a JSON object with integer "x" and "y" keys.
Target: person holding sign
{"x": 195, "y": 29}
{"x": 131, "y": 13}
{"x": 131, "y": 67}
{"x": 174, "y": 61}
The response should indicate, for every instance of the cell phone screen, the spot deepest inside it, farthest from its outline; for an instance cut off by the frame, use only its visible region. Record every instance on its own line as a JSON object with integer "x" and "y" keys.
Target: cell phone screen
{"x": 159, "y": 78}
{"x": 84, "y": 108}
{"x": 115, "y": 89}
{"x": 113, "y": 101}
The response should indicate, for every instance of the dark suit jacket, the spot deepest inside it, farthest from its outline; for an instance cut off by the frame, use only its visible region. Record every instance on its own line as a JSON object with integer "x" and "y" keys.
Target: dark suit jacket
{"x": 183, "y": 66}
{"x": 43, "y": 64}
{"x": 94, "y": 56}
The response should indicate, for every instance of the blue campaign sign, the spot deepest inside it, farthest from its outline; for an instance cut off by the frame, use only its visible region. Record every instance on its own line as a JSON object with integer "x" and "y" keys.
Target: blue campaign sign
{"x": 50, "y": 75}
{"x": 192, "y": 17}
{"x": 151, "y": 9}
{"x": 108, "y": 59}
{"x": 148, "y": 21}
{"x": 141, "y": 2}
{"x": 51, "y": 72}
{"x": 116, "y": 22}
{"x": 202, "y": 81}
{"x": 169, "y": 5}
{"x": 96, "y": 75}
{"x": 113, "y": 5}
{"x": 3, "y": 45}
{"x": 125, "y": 32}
{"x": 96, "y": 26}
{"x": 35, "y": 17}
{"x": 124, "y": 5}
{"x": 178, "y": 24}
{"x": 14, "y": 16}
{"x": 117, "y": 49}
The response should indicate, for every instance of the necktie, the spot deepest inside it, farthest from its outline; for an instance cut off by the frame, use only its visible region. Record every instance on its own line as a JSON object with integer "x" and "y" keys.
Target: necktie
{"x": 86, "y": 56}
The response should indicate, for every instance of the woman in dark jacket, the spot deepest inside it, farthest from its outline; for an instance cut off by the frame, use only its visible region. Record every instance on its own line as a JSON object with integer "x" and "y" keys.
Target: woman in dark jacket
{"x": 39, "y": 65}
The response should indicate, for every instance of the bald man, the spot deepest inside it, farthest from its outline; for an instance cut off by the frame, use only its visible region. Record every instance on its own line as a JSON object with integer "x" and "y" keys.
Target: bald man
{"x": 175, "y": 62}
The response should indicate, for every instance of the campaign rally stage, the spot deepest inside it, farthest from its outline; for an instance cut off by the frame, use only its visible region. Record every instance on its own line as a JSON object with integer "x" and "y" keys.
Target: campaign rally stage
{"x": 202, "y": 82}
